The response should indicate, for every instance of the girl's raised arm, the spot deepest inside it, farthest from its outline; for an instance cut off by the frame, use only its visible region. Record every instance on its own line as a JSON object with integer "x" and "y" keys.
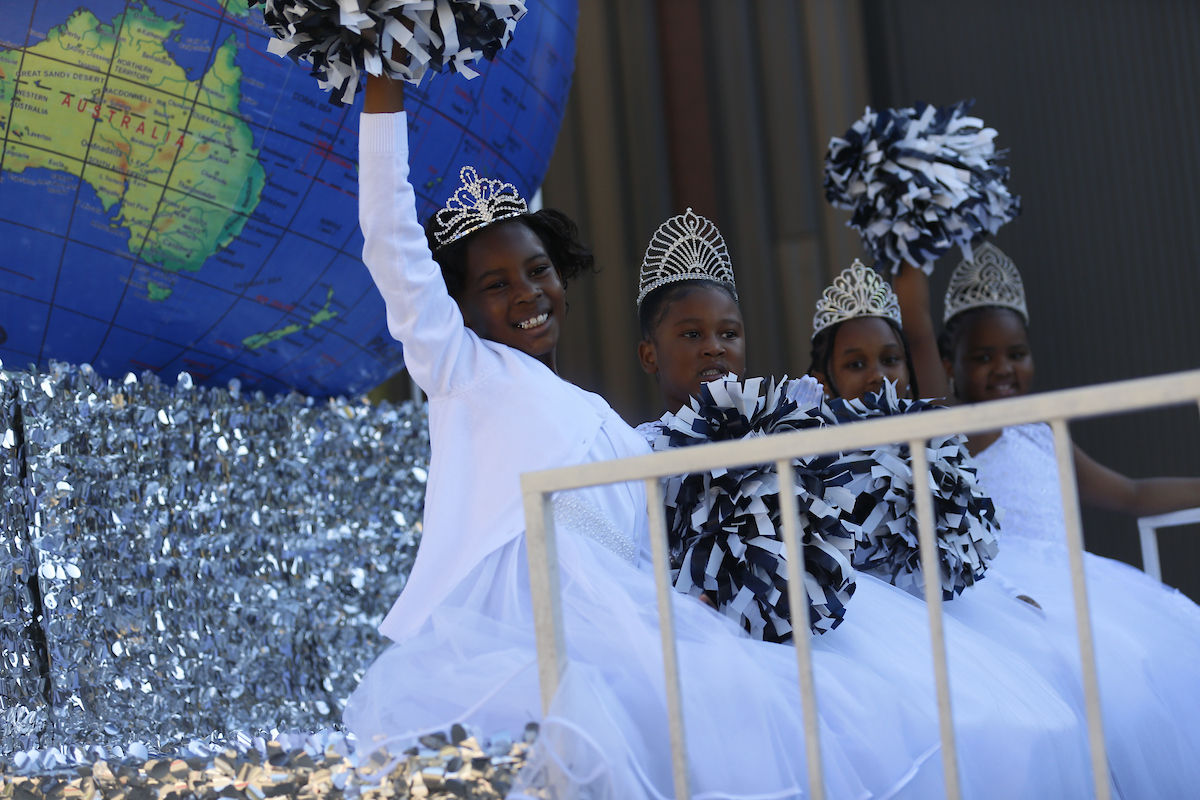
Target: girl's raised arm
{"x": 439, "y": 352}
{"x": 912, "y": 290}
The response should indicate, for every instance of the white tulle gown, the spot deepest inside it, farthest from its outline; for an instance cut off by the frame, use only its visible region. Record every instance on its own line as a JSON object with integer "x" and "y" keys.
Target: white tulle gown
{"x": 1147, "y": 635}
{"x": 463, "y": 627}
{"x": 474, "y": 662}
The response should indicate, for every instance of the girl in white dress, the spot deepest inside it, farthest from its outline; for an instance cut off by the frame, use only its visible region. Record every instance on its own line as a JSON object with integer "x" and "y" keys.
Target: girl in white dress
{"x": 1147, "y": 635}
{"x": 464, "y": 646}
{"x": 692, "y": 334}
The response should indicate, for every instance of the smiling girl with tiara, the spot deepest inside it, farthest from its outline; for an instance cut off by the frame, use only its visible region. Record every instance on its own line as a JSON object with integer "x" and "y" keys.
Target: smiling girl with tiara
{"x": 479, "y": 317}
{"x": 726, "y": 547}
{"x": 1147, "y": 635}
{"x": 920, "y": 181}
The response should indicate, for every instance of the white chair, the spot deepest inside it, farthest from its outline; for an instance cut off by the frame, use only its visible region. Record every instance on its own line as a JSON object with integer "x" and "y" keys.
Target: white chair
{"x": 1148, "y": 530}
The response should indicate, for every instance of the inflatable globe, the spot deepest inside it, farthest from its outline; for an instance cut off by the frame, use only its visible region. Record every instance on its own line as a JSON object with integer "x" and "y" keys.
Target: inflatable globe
{"x": 173, "y": 198}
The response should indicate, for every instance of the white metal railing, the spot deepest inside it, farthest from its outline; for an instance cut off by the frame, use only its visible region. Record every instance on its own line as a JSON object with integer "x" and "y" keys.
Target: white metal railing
{"x": 1056, "y": 408}
{"x": 1148, "y": 532}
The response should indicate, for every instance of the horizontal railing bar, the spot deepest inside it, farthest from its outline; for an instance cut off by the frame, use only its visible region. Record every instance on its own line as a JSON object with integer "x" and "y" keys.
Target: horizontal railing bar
{"x": 1187, "y": 516}
{"x": 1090, "y": 401}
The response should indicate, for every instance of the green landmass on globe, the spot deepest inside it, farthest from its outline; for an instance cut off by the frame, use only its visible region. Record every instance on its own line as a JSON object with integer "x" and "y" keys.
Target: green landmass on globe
{"x": 145, "y": 137}
{"x": 174, "y": 197}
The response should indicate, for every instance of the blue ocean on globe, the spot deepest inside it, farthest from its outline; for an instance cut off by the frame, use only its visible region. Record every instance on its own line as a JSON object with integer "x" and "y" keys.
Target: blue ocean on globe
{"x": 173, "y": 198}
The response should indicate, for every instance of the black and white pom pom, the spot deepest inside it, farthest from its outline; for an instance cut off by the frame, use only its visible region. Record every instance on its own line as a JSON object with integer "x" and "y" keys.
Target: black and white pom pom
{"x": 881, "y": 482}
{"x": 345, "y": 39}
{"x": 724, "y": 526}
{"x": 919, "y": 181}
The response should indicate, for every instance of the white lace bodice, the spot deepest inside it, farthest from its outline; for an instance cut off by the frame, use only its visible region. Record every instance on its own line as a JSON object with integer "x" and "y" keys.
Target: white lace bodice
{"x": 1020, "y": 472}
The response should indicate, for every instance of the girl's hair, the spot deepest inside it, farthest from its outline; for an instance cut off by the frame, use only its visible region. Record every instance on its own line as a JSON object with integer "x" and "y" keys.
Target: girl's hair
{"x": 947, "y": 340}
{"x": 822, "y": 355}
{"x": 655, "y": 305}
{"x": 559, "y": 235}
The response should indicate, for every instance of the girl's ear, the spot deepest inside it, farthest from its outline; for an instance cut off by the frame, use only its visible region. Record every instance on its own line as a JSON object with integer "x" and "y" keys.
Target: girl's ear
{"x": 648, "y": 356}
{"x": 948, "y": 365}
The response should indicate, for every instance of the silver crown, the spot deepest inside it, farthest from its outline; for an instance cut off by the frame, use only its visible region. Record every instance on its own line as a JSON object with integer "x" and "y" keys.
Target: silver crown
{"x": 476, "y": 204}
{"x": 988, "y": 279}
{"x": 858, "y": 292}
{"x": 685, "y": 248}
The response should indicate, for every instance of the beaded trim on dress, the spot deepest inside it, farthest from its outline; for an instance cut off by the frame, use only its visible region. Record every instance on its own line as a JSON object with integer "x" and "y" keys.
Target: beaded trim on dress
{"x": 581, "y": 516}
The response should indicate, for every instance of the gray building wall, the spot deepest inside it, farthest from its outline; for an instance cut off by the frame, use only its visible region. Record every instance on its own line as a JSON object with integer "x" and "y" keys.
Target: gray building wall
{"x": 1097, "y": 102}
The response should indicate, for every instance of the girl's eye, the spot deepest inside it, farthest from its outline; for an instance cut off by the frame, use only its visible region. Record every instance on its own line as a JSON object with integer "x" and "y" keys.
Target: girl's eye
{"x": 730, "y": 334}
{"x": 981, "y": 359}
{"x": 541, "y": 268}
{"x": 691, "y": 334}
{"x": 891, "y": 360}
{"x": 855, "y": 365}
{"x": 496, "y": 285}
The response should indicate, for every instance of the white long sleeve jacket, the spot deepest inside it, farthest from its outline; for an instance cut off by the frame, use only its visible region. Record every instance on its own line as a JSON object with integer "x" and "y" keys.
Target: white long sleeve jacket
{"x": 494, "y": 412}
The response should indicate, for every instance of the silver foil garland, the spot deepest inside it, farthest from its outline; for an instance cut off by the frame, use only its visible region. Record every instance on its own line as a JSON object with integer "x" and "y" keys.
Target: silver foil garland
{"x": 206, "y": 560}
{"x": 23, "y": 708}
{"x": 441, "y": 766}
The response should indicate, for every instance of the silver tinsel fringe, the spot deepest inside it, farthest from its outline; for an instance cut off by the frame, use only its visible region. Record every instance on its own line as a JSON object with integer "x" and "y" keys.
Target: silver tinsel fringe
{"x": 323, "y": 765}
{"x": 206, "y": 560}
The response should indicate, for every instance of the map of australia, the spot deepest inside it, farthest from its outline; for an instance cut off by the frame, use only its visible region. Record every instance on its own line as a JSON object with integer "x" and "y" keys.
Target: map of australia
{"x": 107, "y": 103}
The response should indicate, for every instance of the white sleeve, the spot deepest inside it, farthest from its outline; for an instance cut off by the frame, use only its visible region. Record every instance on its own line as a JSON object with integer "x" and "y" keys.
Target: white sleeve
{"x": 440, "y": 353}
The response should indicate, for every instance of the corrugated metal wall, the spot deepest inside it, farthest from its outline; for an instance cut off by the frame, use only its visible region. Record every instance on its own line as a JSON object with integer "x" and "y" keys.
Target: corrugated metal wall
{"x": 1097, "y": 101}
{"x": 768, "y": 112}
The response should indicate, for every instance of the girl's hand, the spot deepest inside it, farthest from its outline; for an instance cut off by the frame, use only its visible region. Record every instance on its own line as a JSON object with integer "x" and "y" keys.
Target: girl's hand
{"x": 384, "y": 95}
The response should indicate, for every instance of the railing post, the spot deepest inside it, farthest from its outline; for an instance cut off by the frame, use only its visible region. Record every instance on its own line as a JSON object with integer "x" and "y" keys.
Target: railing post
{"x": 801, "y": 632}
{"x": 1087, "y": 651}
{"x": 1151, "y": 565}
{"x": 666, "y": 623}
{"x": 931, "y": 577}
{"x": 541, "y": 547}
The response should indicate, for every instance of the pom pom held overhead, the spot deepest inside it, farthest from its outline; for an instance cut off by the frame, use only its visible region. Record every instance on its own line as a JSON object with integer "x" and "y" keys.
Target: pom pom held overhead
{"x": 343, "y": 39}
{"x": 920, "y": 181}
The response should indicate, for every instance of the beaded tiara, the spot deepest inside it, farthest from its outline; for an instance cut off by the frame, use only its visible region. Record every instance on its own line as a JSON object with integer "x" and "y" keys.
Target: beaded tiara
{"x": 477, "y": 203}
{"x": 687, "y": 247}
{"x": 858, "y": 292}
{"x": 988, "y": 279}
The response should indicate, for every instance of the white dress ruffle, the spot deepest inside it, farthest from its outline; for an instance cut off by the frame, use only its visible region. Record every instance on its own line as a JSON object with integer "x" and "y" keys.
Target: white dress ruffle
{"x": 1147, "y": 635}
{"x": 606, "y": 736}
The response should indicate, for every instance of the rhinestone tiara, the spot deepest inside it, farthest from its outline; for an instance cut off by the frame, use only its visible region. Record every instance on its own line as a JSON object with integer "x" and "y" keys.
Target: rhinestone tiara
{"x": 687, "y": 247}
{"x": 858, "y": 292}
{"x": 477, "y": 203}
{"x": 988, "y": 279}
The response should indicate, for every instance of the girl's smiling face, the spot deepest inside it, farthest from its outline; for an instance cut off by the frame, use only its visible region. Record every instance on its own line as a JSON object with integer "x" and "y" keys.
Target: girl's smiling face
{"x": 512, "y": 292}
{"x": 866, "y": 352}
{"x": 700, "y": 338}
{"x": 992, "y": 358}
